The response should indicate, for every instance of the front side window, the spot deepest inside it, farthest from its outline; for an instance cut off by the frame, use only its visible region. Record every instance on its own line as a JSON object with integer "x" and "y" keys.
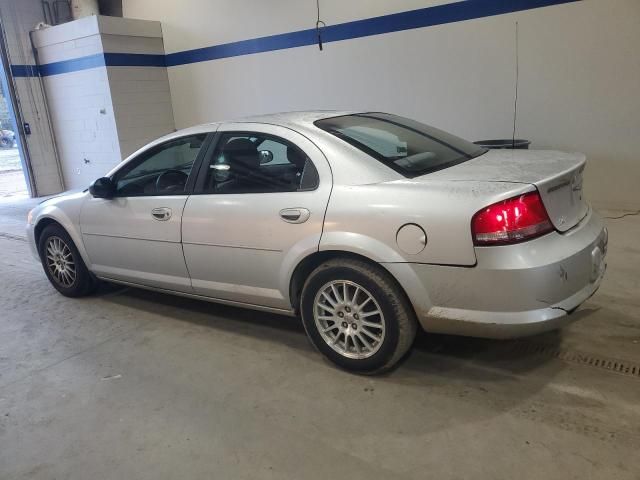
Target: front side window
{"x": 161, "y": 170}
{"x": 408, "y": 147}
{"x": 251, "y": 162}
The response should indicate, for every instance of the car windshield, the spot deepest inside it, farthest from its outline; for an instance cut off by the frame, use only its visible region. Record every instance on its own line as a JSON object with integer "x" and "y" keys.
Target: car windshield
{"x": 408, "y": 147}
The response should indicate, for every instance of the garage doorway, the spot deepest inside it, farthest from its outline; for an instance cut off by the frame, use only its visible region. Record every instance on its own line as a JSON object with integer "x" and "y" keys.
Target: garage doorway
{"x": 13, "y": 176}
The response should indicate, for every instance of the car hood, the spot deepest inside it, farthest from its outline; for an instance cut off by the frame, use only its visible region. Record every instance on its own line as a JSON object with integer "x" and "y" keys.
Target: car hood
{"x": 67, "y": 193}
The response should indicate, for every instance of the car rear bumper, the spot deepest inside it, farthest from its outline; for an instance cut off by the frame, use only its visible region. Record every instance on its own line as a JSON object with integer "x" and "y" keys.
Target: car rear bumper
{"x": 489, "y": 324}
{"x": 516, "y": 290}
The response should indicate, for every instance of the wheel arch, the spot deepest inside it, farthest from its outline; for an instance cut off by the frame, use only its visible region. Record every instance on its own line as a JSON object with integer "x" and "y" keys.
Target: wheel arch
{"x": 309, "y": 263}
{"x": 51, "y": 217}
{"x": 41, "y": 225}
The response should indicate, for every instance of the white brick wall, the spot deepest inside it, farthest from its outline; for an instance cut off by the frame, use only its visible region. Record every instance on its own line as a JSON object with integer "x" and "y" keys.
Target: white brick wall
{"x": 84, "y": 125}
{"x": 98, "y": 115}
{"x": 101, "y": 115}
{"x": 81, "y": 47}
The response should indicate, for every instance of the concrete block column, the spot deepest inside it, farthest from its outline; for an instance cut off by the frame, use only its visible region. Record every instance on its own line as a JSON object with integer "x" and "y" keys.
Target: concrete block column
{"x": 107, "y": 90}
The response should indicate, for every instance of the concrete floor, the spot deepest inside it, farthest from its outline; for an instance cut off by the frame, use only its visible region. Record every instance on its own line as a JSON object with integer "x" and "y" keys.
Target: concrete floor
{"x": 12, "y": 185}
{"x": 131, "y": 384}
{"x": 12, "y": 181}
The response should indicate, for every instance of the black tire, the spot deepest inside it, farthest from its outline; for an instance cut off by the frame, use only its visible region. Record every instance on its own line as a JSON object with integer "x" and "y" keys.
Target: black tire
{"x": 5, "y": 142}
{"x": 84, "y": 283}
{"x": 398, "y": 316}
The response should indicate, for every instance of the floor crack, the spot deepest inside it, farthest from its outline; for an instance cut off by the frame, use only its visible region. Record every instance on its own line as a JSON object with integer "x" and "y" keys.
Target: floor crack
{"x": 9, "y": 236}
{"x": 628, "y": 214}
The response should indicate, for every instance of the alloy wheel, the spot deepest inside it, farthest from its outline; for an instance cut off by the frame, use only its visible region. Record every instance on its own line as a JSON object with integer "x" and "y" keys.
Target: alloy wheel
{"x": 60, "y": 262}
{"x": 349, "y": 319}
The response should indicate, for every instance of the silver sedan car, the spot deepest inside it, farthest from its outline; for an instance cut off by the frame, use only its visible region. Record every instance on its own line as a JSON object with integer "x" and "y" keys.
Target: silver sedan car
{"x": 364, "y": 224}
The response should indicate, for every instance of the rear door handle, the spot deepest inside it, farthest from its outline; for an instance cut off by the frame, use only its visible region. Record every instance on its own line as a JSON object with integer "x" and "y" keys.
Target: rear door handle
{"x": 295, "y": 215}
{"x": 161, "y": 214}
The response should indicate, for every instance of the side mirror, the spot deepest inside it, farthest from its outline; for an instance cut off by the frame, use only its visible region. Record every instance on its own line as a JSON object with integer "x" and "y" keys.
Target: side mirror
{"x": 265, "y": 156}
{"x": 102, "y": 188}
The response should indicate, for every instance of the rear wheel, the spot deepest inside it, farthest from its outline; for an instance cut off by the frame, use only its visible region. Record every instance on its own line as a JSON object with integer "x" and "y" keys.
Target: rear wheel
{"x": 357, "y": 315}
{"x": 63, "y": 264}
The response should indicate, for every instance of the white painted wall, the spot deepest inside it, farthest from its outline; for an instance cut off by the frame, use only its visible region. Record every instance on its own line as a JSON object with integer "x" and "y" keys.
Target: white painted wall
{"x": 579, "y": 73}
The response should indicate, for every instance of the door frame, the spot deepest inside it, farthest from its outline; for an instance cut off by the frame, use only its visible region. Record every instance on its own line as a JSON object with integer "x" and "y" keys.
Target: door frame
{"x": 203, "y": 154}
{"x": 142, "y": 276}
{"x": 291, "y": 257}
{"x": 8, "y": 85}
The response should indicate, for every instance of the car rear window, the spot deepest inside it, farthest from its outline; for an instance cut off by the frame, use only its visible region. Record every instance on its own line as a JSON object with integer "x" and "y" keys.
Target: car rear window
{"x": 408, "y": 147}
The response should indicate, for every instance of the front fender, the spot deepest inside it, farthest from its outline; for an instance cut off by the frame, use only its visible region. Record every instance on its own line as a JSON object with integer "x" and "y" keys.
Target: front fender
{"x": 68, "y": 217}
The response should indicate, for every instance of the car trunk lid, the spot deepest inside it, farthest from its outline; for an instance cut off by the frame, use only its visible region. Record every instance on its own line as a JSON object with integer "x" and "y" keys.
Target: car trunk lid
{"x": 556, "y": 175}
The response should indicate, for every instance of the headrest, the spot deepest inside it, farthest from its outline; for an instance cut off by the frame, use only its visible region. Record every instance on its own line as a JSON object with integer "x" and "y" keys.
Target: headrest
{"x": 242, "y": 153}
{"x": 296, "y": 157}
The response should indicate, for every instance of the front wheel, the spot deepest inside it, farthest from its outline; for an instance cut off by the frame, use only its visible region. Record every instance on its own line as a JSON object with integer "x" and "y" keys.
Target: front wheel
{"x": 357, "y": 315}
{"x": 63, "y": 264}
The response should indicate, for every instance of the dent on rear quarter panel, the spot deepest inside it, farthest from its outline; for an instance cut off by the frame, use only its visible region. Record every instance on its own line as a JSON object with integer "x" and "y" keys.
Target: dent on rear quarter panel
{"x": 365, "y": 218}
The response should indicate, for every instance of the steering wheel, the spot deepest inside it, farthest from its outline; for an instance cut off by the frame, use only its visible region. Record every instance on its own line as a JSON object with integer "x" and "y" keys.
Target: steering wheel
{"x": 171, "y": 181}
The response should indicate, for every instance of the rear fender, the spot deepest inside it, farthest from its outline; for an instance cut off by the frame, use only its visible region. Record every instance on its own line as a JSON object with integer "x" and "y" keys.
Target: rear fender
{"x": 387, "y": 257}
{"x": 360, "y": 244}
{"x": 295, "y": 255}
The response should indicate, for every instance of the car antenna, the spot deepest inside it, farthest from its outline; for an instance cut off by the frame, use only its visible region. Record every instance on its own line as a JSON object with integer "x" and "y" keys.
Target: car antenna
{"x": 515, "y": 102}
{"x": 318, "y": 28}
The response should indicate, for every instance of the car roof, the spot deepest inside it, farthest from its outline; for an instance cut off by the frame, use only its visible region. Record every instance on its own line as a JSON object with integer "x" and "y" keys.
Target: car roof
{"x": 351, "y": 160}
{"x": 295, "y": 120}
{"x": 303, "y": 118}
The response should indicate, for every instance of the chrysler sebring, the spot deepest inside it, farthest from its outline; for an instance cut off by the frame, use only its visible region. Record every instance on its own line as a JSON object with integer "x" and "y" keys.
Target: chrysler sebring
{"x": 366, "y": 225}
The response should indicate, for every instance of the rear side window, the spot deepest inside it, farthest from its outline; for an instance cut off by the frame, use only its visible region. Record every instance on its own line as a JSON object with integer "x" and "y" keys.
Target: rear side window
{"x": 408, "y": 147}
{"x": 248, "y": 162}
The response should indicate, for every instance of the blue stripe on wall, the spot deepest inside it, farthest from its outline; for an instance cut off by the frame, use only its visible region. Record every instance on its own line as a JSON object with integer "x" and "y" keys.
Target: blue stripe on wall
{"x": 74, "y": 65}
{"x": 134, "y": 60}
{"x": 424, "y": 17}
{"x": 24, "y": 70}
{"x": 91, "y": 61}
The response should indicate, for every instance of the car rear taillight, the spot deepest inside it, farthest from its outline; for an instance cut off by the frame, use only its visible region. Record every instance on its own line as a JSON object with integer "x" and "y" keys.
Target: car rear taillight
{"x": 511, "y": 221}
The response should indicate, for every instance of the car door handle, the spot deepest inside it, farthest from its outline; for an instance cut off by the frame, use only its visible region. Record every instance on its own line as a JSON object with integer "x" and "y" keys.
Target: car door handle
{"x": 161, "y": 214}
{"x": 295, "y": 215}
